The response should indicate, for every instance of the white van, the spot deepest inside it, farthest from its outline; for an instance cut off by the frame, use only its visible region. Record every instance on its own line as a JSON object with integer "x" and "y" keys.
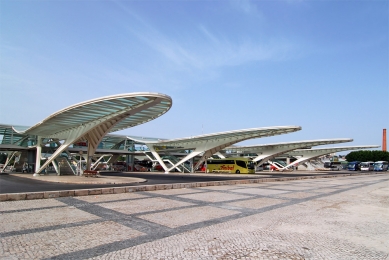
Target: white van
{"x": 367, "y": 166}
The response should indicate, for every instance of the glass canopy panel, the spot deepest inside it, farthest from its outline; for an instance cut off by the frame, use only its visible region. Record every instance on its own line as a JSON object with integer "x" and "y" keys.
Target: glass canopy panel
{"x": 103, "y": 108}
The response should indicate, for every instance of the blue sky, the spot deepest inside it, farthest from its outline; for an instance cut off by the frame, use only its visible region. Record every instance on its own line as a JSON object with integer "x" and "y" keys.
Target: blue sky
{"x": 228, "y": 65}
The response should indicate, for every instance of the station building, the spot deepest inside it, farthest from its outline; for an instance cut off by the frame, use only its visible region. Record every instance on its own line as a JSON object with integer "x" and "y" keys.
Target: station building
{"x": 80, "y": 137}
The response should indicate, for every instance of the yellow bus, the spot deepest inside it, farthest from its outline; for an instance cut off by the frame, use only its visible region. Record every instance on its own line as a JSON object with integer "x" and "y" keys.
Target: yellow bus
{"x": 231, "y": 165}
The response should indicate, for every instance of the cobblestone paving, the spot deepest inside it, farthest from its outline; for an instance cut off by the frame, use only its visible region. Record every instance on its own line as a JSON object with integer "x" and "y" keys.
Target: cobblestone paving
{"x": 330, "y": 218}
{"x": 42, "y": 218}
{"x": 213, "y": 196}
{"x": 143, "y": 205}
{"x": 111, "y": 197}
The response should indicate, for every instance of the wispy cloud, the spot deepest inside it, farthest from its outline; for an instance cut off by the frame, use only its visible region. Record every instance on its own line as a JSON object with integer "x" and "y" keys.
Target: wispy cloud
{"x": 245, "y": 6}
{"x": 223, "y": 52}
{"x": 205, "y": 49}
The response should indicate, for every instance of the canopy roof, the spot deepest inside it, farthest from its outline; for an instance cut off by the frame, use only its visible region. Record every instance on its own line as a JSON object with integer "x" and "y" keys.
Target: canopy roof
{"x": 264, "y": 152}
{"x": 101, "y": 109}
{"x": 10, "y": 136}
{"x": 114, "y": 141}
{"x": 322, "y": 151}
{"x": 292, "y": 145}
{"x": 307, "y": 154}
{"x": 206, "y": 145}
{"x": 241, "y": 135}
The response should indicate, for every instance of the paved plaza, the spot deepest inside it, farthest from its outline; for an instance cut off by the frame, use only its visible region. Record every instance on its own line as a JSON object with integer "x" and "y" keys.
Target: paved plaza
{"x": 323, "y": 218}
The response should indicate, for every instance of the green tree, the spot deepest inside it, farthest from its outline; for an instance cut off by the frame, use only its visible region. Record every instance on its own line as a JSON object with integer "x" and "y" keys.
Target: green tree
{"x": 365, "y": 156}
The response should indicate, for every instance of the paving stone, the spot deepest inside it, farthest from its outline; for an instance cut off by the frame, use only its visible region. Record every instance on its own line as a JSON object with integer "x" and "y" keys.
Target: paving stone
{"x": 177, "y": 191}
{"x": 24, "y": 204}
{"x": 111, "y": 197}
{"x": 257, "y": 191}
{"x": 81, "y": 192}
{"x": 174, "y": 218}
{"x": 35, "y": 195}
{"x": 119, "y": 190}
{"x": 66, "y": 193}
{"x": 331, "y": 218}
{"x": 94, "y": 192}
{"x": 107, "y": 191}
{"x": 297, "y": 195}
{"x": 52, "y": 243}
{"x": 42, "y": 218}
{"x": 257, "y": 203}
{"x": 51, "y": 194}
{"x": 3, "y": 197}
{"x": 213, "y": 196}
{"x": 143, "y": 205}
{"x": 16, "y": 196}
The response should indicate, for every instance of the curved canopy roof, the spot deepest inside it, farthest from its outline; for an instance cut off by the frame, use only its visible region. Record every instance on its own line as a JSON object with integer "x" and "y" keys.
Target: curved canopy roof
{"x": 136, "y": 108}
{"x": 323, "y": 151}
{"x": 286, "y": 145}
{"x": 206, "y": 145}
{"x": 9, "y": 136}
{"x": 307, "y": 154}
{"x": 244, "y": 134}
{"x": 266, "y": 151}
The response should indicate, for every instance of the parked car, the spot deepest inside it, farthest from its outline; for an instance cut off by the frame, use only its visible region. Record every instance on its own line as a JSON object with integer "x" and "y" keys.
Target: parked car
{"x": 138, "y": 168}
{"x": 119, "y": 166}
{"x": 158, "y": 168}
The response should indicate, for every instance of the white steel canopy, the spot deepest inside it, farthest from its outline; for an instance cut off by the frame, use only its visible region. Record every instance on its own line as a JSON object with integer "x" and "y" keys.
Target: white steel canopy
{"x": 209, "y": 144}
{"x": 266, "y": 151}
{"x": 92, "y": 120}
{"x": 132, "y": 109}
{"x": 308, "y": 154}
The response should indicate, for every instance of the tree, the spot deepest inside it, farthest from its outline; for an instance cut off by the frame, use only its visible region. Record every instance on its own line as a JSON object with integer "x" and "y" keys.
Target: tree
{"x": 365, "y": 156}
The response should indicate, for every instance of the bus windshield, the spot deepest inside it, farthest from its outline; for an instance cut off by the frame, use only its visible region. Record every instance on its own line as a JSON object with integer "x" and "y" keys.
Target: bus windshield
{"x": 250, "y": 165}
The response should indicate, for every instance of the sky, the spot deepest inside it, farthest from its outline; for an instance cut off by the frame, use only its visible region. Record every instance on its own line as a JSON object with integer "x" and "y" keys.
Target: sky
{"x": 227, "y": 65}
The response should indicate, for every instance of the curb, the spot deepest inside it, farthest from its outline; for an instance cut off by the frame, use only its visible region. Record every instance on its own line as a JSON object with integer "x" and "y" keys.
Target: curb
{"x": 128, "y": 189}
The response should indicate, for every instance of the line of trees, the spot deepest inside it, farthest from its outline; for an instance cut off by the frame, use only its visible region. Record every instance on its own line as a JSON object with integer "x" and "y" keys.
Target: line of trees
{"x": 365, "y": 156}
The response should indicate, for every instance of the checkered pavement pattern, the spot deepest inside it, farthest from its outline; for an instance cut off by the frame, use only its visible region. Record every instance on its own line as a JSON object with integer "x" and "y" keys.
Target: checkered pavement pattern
{"x": 328, "y": 218}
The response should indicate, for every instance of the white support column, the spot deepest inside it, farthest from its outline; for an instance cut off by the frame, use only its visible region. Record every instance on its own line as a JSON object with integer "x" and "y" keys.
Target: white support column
{"x": 189, "y": 156}
{"x": 90, "y": 153}
{"x": 38, "y": 156}
{"x": 159, "y": 159}
{"x": 191, "y": 165}
{"x": 56, "y": 167}
{"x": 220, "y": 155}
{"x": 210, "y": 149}
{"x": 298, "y": 161}
{"x": 10, "y": 155}
{"x": 59, "y": 150}
{"x": 94, "y": 166}
{"x": 132, "y": 156}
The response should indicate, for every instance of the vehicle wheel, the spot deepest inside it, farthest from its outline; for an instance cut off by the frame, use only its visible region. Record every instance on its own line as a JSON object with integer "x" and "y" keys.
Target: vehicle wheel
{"x": 237, "y": 171}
